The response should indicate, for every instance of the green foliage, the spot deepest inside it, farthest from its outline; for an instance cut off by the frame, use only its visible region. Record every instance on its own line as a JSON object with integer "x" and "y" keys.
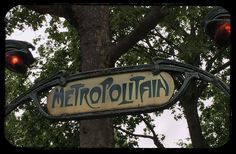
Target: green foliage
{"x": 19, "y": 17}
{"x": 184, "y": 40}
{"x": 123, "y": 19}
{"x": 216, "y": 120}
{"x": 128, "y": 123}
{"x": 14, "y": 85}
{"x": 183, "y": 144}
{"x": 31, "y": 129}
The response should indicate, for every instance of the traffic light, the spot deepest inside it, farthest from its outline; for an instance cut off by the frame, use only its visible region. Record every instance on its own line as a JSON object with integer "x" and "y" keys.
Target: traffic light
{"x": 217, "y": 26}
{"x": 17, "y": 55}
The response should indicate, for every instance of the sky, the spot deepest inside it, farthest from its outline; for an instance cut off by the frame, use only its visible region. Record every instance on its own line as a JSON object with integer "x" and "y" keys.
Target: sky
{"x": 165, "y": 124}
{"x": 173, "y": 130}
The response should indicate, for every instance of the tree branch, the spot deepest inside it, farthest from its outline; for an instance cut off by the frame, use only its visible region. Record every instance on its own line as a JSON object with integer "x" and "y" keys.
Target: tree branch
{"x": 203, "y": 85}
{"x": 168, "y": 41}
{"x": 56, "y": 9}
{"x": 156, "y": 15}
{"x": 152, "y": 53}
{"x": 160, "y": 50}
{"x": 192, "y": 28}
{"x": 148, "y": 54}
{"x": 148, "y": 124}
{"x": 175, "y": 25}
{"x": 220, "y": 68}
{"x": 212, "y": 60}
{"x": 155, "y": 136}
{"x": 60, "y": 10}
{"x": 136, "y": 135}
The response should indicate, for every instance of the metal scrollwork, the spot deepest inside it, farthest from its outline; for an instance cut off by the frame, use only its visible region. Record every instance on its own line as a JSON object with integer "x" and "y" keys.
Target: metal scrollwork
{"x": 184, "y": 72}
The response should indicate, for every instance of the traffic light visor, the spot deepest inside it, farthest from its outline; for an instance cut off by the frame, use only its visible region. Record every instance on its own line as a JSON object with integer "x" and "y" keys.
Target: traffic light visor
{"x": 214, "y": 18}
{"x": 17, "y": 55}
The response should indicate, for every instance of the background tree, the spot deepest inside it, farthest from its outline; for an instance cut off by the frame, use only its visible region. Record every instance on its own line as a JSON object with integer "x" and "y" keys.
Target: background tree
{"x": 107, "y": 36}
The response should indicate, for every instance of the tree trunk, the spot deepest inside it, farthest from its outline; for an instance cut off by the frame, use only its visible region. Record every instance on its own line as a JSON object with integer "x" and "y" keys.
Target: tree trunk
{"x": 94, "y": 39}
{"x": 189, "y": 103}
{"x": 97, "y": 52}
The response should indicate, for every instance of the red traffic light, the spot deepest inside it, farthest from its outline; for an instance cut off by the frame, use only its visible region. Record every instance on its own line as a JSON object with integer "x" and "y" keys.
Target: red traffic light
{"x": 217, "y": 26}
{"x": 14, "y": 60}
{"x": 225, "y": 27}
{"x": 17, "y": 55}
{"x": 15, "y": 63}
{"x": 222, "y": 34}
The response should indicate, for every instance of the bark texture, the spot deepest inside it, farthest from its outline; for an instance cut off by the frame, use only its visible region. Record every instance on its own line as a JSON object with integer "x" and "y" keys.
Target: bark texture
{"x": 92, "y": 25}
{"x": 94, "y": 37}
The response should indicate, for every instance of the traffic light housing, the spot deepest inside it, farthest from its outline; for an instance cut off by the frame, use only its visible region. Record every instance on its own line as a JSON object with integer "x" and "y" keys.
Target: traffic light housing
{"x": 217, "y": 26}
{"x": 17, "y": 55}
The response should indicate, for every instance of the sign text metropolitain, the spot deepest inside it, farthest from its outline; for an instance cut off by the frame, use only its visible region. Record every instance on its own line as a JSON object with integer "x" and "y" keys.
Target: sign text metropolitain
{"x": 120, "y": 91}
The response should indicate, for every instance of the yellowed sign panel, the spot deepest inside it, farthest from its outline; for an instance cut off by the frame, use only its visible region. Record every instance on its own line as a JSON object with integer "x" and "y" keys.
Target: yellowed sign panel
{"x": 121, "y": 91}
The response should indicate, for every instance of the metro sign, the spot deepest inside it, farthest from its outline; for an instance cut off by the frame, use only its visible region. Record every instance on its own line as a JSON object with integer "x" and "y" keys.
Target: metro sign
{"x": 119, "y": 92}
{"x": 114, "y": 91}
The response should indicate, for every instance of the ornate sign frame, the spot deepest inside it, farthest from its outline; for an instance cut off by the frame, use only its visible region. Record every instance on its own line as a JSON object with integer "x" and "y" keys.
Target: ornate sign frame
{"x": 181, "y": 73}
